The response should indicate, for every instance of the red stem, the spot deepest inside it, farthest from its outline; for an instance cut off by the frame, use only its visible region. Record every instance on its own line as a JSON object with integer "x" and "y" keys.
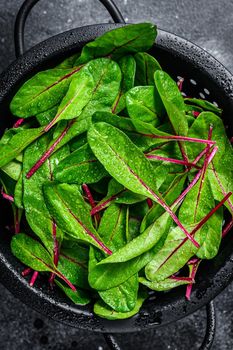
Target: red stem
{"x": 180, "y": 138}
{"x": 33, "y": 279}
{"x": 91, "y": 201}
{"x": 18, "y": 123}
{"x": 48, "y": 153}
{"x": 180, "y": 84}
{"x": 227, "y": 228}
{"x": 103, "y": 205}
{"x": 196, "y": 178}
{"x": 149, "y": 202}
{"x": 26, "y": 272}
{"x": 177, "y": 278}
{"x": 171, "y": 160}
{"x": 192, "y": 276}
{"x": 206, "y": 163}
{"x": 7, "y": 196}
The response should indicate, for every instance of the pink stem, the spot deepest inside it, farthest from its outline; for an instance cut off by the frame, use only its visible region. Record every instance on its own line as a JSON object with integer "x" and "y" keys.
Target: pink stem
{"x": 33, "y": 279}
{"x": 195, "y": 114}
{"x": 26, "y": 272}
{"x": 171, "y": 160}
{"x": 206, "y": 163}
{"x": 18, "y": 123}
{"x": 200, "y": 155}
{"x": 227, "y": 228}
{"x": 180, "y": 138}
{"x": 103, "y": 205}
{"x": 192, "y": 276}
{"x": 66, "y": 281}
{"x": 203, "y": 221}
{"x": 17, "y": 222}
{"x": 221, "y": 186}
{"x": 48, "y": 153}
{"x": 91, "y": 200}
{"x": 149, "y": 202}
{"x": 7, "y": 196}
{"x": 195, "y": 180}
{"x": 231, "y": 139}
{"x": 180, "y": 83}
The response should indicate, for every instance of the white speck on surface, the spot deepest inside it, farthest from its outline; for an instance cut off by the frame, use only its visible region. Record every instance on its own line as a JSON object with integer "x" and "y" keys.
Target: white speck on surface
{"x": 192, "y": 81}
{"x": 206, "y": 91}
{"x": 44, "y": 12}
{"x": 125, "y": 2}
{"x": 126, "y": 19}
{"x": 201, "y": 95}
{"x": 100, "y": 348}
{"x": 69, "y": 20}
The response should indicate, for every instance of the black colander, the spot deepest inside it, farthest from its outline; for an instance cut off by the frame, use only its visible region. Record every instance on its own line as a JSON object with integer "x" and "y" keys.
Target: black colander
{"x": 204, "y": 77}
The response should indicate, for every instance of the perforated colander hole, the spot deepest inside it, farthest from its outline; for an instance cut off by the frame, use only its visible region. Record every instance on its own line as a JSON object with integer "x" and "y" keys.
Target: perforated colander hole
{"x": 202, "y": 95}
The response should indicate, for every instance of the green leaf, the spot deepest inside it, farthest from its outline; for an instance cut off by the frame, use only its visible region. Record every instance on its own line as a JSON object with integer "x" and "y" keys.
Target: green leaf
{"x": 36, "y": 211}
{"x": 173, "y": 102}
{"x": 123, "y": 160}
{"x": 18, "y": 194}
{"x": 119, "y": 42}
{"x": 46, "y": 117}
{"x": 128, "y": 67}
{"x": 79, "y": 297}
{"x": 81, "y": 166}
{"x": 34, "y": 255}
{"x": 206, "y": 105}
{"x": 69, "y": 62}
{"x": 172, "y": 192}
{"x": 220, "y": 171}
{"x": 17, "y": 143}
{"x": 13, "y": 169}
{"x": 73, "y": 263}
{"x": 71, "y": 213}
{"x": 80, "y": 90}
{"x": 31, "y": 253}
{"x": 42, "y": 92}
{"x": 146, "y": 65}
{"x": 142, "y": 104}
{"x": 129, "y": 259}
{"x": 102, "y": 310}
{"x": 164, "y": 285}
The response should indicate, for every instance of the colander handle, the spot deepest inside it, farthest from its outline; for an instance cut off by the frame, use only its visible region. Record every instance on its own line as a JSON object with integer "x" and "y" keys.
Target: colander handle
{"x": 29, "y": 4}
{"x": 208, "y": 339}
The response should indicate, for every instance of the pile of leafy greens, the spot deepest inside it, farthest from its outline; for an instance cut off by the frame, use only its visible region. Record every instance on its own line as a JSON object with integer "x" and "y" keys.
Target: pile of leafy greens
{"x": 118, "y": 182}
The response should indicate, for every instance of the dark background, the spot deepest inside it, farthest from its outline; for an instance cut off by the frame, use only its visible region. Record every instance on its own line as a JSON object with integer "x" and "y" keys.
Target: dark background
{"x": 207, "y": 23}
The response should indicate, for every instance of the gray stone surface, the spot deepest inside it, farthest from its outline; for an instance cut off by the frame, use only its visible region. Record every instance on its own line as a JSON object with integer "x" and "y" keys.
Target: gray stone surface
{"x": 209, "y": 24}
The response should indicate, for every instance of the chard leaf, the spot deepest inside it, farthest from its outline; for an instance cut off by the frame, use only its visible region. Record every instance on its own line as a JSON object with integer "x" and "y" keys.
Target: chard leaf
{"x": 112, "y": 230}
{"x": 103, "y": 310}
{"x": 46, "y": 117}
{"x": 42, "y": 92}
{"x": 129, "y": 259}
{"x": 142, "y": 104}
{"x": 73, "y": 263}
{"x": 69, "y": 62}
{"x": 81, "y": 166}
{"x": 177, "y": 249}
{"x": 17, "y": 143}
{"x": 220, "y": 171}
{"x": 167, "y": 284}
{"x": 78, "y": 297}
{"x": 34, "y": 255}
{"x": 173, "y": 102}
{"x": 18, "y": 194}
{"x": 146, "y": 65}
{"x": 203, "y": 104}
{"x": 123, "y": 160}
{"x": 36, "y": 211}
{"x": 119, "y": 42}
{"x": 13, "y": 169}
{"x": 128, "y": 67}
{"x": 67, "y": 206}
{"x": 80, "y": 90}
{"x": 173, "y": 191}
